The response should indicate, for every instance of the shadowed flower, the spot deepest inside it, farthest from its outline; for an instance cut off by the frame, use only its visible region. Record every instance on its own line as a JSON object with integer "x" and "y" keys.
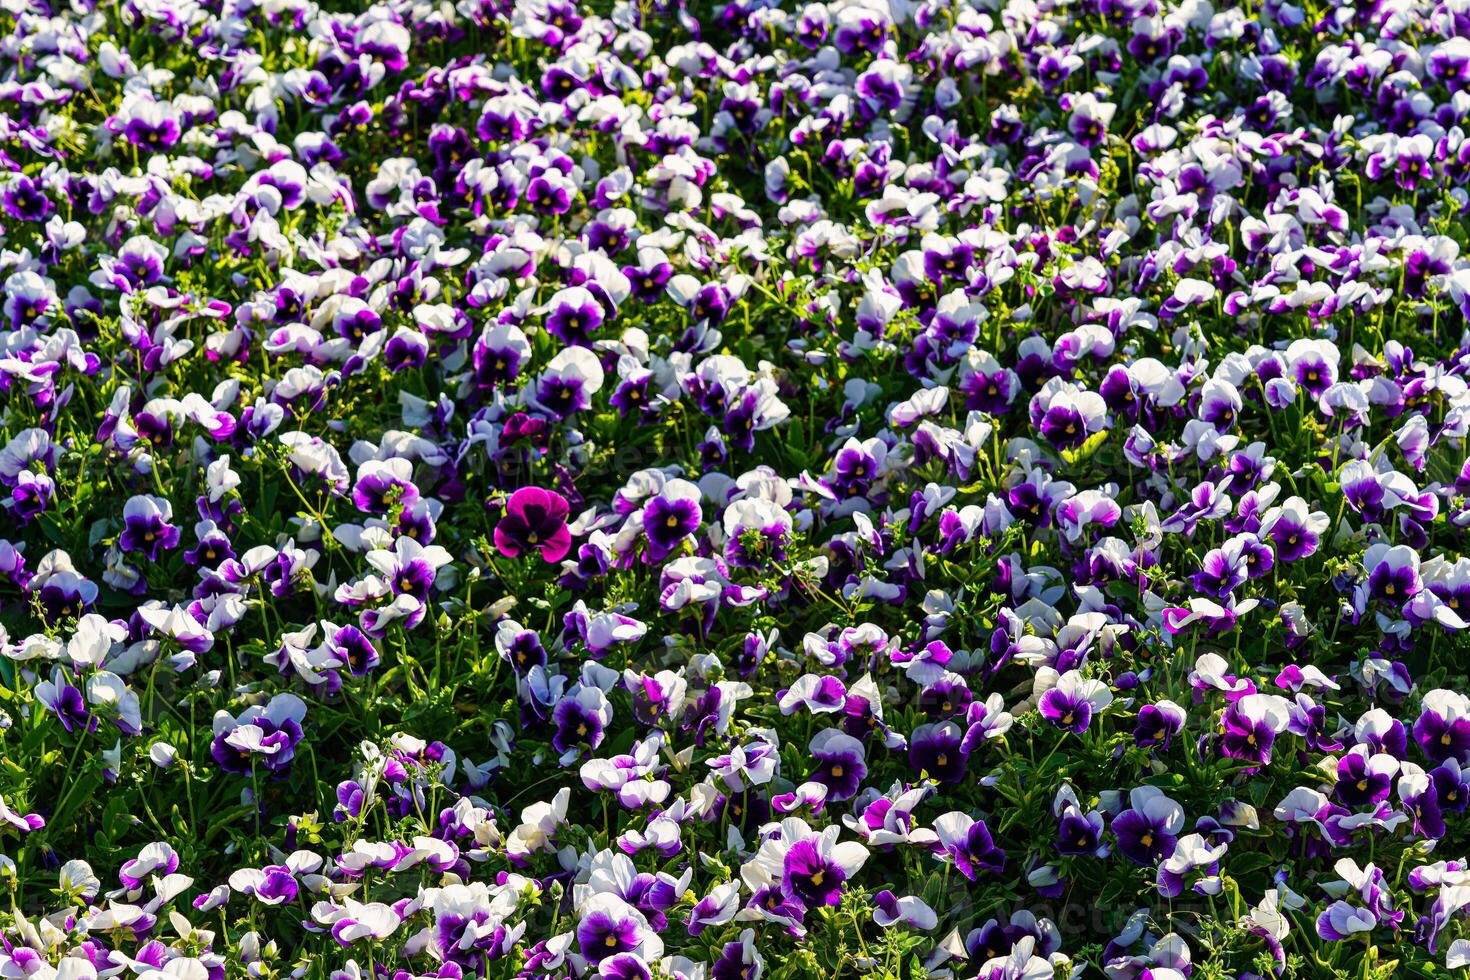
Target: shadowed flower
{"x": 967, "y": 842}
{"x": 146, "y": 526}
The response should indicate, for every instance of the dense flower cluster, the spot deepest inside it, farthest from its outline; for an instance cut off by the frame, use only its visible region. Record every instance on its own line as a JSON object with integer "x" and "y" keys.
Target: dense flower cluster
{"x": 734, "y": 489}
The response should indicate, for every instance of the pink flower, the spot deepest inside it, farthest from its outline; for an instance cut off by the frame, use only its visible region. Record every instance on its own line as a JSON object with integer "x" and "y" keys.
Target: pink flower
{"x": 534, "y": 518}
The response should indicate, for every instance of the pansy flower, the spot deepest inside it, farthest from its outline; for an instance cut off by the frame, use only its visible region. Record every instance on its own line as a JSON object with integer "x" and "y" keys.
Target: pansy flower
{"x": 146, "y": 527}
{"x": 967, "y": 843}
{"x": 1069, "y": 700}
{"x": 534, "y": 519}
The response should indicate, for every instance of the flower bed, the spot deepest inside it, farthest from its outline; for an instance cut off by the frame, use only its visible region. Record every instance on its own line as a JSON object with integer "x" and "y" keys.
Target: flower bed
{"x": 734, "y": 490}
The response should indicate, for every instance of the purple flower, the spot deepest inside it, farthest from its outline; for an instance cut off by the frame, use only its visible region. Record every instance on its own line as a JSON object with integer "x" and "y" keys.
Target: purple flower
{"x": 910, "y": 910}
{"x": 66, "y": 701}
{"x": 857, "y": 465}
{"x": 609, "y": 926}
{"x": 25, "y": 199}
{"x": 581, "y": 719}
{"x": 1078, "y": 833}
{"x": 408, "y": 568}
{"x": 988, "y": 386}
{"x": 154, "y": 859}
{"x": 815, "y": 868}
{"x": 1219, "y": 404}
{"x": 739, "y": 960}
{"x": 1364, "y": 778}
{"x": 146, "y": 526}
{"x": 816, "y": 693}
{"x": 1222, "y": 569}
{"x": 1313, "y": 364}
{"x": 1066, "y": 414}
{"x": 715, "y": 909}
{"x": 573, "y": 315}
{"x": 534, "y": 518}
{"x": 840, "y": 763}
{"x": 624, "y": 966}
{"x": 936, "y": 750}
{"x": 1148, "y": 830}
{"x": 383, "y": 485}
{"x": 756, "y": 531}
{"x": 1421, "y": 795}
{"x": 152, "y": 126}
{"x": 1249, "y": 727}
{"x": 1192, "y": 854}
{"x": 268, "y": 735}
{"x": 1443, "y": 727}
{"x": 1069, "y": 704}
{"x": 214, "y": 546}
{"x": 1035, "y": 498}
{"x": 1343, "y": 921}
{"x": 569, "y": 382}
{"x": 31, "y": 495}
{"x": 1452, "y": 785}
{"x": 995, "y": 939}
{"x": 350, "y": 647}
{"x": 498, "y": 354}
{"x": 24, "y": 822}
{"x": 63, "y": 594}
{"x": 1157, "y": 724}
{"x": 1393, "y": 572}
{"x": 967, "y": 842}
{"x": 670, "y": 516}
